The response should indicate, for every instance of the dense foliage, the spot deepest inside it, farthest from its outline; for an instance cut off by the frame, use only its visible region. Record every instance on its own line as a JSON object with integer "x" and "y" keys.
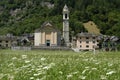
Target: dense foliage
{"x": 24, "y": 16}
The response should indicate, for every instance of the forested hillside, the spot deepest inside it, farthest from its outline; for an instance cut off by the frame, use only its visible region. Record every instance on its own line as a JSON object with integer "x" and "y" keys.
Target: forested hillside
{"x": 24, "y": 16}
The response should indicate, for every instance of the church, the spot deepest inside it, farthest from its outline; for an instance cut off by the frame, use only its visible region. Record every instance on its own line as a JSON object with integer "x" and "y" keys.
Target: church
{"x": 49, "y": 35}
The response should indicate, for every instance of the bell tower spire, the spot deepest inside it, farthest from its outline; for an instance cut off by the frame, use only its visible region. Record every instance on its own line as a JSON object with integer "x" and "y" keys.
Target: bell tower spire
{"x": 66, "y": 25}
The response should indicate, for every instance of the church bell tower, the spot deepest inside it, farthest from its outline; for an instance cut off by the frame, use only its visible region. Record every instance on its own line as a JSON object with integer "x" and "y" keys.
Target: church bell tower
{"x": 66, "y": 25}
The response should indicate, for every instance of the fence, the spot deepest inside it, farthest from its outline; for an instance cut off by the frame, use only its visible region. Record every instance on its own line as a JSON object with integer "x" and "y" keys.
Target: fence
{"x": 50, "y": 48}
{"x": 21, "y": 48}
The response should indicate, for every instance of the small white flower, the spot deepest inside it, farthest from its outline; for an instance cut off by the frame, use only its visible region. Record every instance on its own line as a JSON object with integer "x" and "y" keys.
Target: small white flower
{"x": 109, "y": 64}
{"x": 110, "y": 73}
{"x": 14, "y": 58}
{"x": 94, "y": 68}
{"x": 60, "y": 72}
{"x": 31, "y": 77}
{"x": 74, "y": 72}
{"x": 97, "y": 63}
{"x": 27, "y": 61}
{"x": 36, "y": 74}
{"x": 43, "y": 59}
{"x": 11, "y": 64}
{"x": 46, "y": 67}
{"x": 24, "y": 56}
{"x": 84, "y": 71}
{"x": 87, "y": 67}
{"x": 82, "y": 77}
{"x": 103, "y": 77}
{"x": 52, "y": 64}
{"x": 69, "y": 76}
{"x": 38, "y": 69}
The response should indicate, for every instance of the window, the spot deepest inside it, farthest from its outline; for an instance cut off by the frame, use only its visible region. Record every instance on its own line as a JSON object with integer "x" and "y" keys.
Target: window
{"x": 6, "y": 45}
{"x": 87, "y": 46}
{"x": 97, "y": 44}
{"x": 80, "y": 41}
{"x": 80, "y": 37}
{"x": 80, "y": 46}
{"x": 6, "y": 41}
{"x": 74, "y": 39}
{"x": 93, "y": 41}
{"x": 0, "y": 41}
{"x": 65, "y": 16}
{"x": 93, "y": 37}
{"x": 87, "y": 37}
{"x": 87, "y": 42}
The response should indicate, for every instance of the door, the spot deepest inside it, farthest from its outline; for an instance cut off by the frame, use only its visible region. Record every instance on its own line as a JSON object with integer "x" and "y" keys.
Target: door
{"x": 47, "y": 42}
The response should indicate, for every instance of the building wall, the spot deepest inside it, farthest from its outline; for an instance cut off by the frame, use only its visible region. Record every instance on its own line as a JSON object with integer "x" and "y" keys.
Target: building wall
{"x": 41, "y": 38}
{"x": 86, "y": 44}
{"x": 37, "y": 39}
{"x": 48, "y": 36}
{"x": 7, "y": 43}
{"x": 55, "y": 38}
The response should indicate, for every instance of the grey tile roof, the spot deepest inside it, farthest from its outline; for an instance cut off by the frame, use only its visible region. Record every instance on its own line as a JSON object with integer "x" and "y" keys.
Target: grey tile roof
{"x": 9, "y": 38}
{"x": 86, "y": 35}
{"x": 45, "y": 24}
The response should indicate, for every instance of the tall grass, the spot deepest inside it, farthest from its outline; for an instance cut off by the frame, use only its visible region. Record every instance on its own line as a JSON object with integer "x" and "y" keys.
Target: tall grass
{"x": 59, "y": 65}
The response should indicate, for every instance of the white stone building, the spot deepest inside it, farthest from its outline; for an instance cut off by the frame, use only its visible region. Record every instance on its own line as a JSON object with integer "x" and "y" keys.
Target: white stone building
{"x": 47, "y": 35}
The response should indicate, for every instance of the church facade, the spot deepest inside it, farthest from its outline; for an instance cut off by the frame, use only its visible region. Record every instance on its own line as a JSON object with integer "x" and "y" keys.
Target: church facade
{"x": 48, "y": 35}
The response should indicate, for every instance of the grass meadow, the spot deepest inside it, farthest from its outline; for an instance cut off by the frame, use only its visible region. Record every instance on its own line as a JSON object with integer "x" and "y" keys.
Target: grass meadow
{"x": 59, "y": 65}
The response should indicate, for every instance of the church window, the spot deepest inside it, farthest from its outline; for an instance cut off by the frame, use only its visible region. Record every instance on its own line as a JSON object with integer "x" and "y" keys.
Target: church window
{"x": 65, "y": 15}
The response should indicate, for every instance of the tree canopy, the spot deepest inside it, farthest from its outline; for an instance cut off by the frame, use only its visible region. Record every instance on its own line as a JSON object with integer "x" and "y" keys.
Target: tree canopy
{"x": 24, "y": 16}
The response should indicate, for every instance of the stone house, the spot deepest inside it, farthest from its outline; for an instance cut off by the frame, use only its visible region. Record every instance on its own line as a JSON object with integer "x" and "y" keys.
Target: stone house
{"x": 26, "y": 40}
{"x": 8, "y": 41}
{"x": 86, "y": 41}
